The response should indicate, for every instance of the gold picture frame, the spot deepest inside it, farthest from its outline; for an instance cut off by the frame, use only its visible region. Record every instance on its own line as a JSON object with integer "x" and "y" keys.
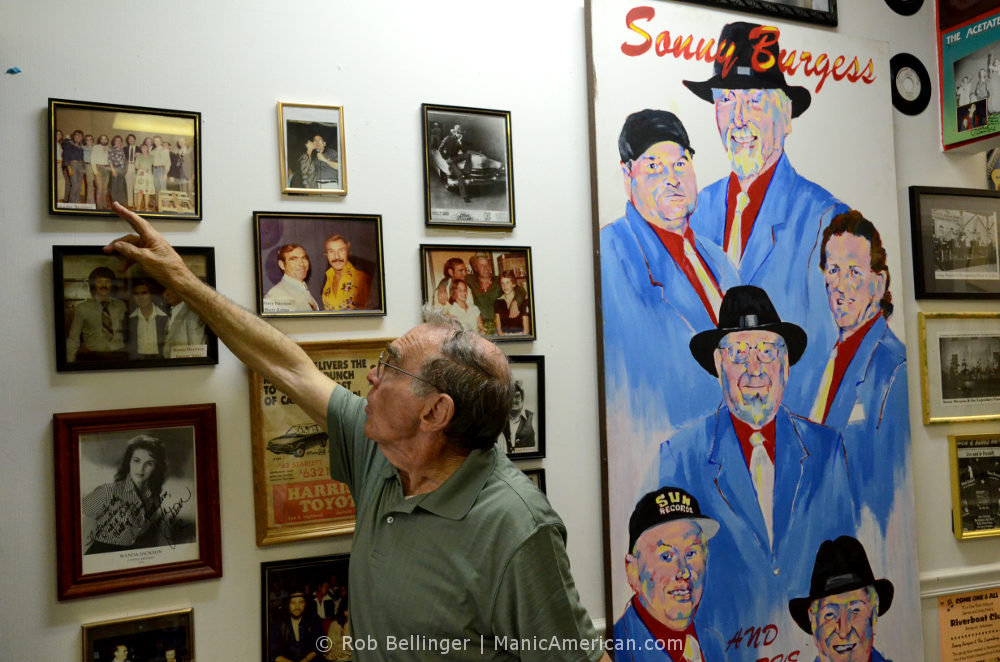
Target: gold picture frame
{"x": 145, "y": 637}
{"x": 305, "y": 167}
{"x": 968, "y": 387}
{"x": 975, "y": 485}
{"x": 294, "y": 496}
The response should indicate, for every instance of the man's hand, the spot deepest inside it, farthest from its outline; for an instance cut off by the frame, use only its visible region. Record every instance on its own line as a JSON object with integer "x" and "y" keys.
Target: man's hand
{"x": 149, "y": 249}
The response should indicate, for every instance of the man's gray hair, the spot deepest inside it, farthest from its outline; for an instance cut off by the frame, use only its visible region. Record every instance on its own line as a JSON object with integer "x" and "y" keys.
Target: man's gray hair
{"x": 480, "y": 385}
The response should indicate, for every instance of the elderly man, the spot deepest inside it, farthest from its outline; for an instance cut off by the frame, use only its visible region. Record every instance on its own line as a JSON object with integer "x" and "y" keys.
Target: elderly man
{"x": 667, "y": 568}
{"x": 844, "y": 603}
{"x": 97, "y": 331}
{"x": 295, "y": 636}
{"x": 660, "y": 283}
{"x": 764, "y": 215}
{"x": 761, "y": 471}
{"x": 346, "y": 287}
{"x": 291, "y": 294}
{"x": 451, "y": 540}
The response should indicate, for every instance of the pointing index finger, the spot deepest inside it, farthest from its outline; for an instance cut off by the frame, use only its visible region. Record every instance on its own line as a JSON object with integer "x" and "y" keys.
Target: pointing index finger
{"x": 138, "y": 223}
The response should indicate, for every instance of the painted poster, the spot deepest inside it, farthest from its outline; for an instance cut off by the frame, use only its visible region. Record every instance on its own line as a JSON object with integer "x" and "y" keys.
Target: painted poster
{"x": 970, "y": 626}
{"x": 755, "y": 413}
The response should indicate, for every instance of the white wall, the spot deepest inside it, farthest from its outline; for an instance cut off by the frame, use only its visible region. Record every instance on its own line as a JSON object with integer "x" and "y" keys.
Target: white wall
{"x": 380, "y": 60}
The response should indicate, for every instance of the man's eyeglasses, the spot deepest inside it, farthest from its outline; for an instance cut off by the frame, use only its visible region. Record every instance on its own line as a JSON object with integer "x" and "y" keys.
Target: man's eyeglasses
{"x": 739, "y": 351}
{"x": 383, "y": 362}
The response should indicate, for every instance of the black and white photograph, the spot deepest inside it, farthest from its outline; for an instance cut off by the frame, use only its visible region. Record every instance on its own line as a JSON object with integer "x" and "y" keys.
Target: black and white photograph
{"x": 971, "y": 368}
{"x": 960, "y": 366}
{"x": 956, "y": 248}
{"x": 975, "y": 476}
{"x": 312, "y": 159}
{"x": 304, "y": 609}
{"x": 977, "y": 87}
{"x": 820, "y": 12}
{"x": 468, "y": 169}
{"x": 110, "y": 315}
{"x": 488, "y": 289}
{"x": 163, "y": 637}
{"x": 523, "y": 435}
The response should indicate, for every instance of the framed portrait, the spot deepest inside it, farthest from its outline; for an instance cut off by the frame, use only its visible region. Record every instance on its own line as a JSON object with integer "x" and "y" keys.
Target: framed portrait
{"x": 960, "y": 366}
{"x": 147, "y": 159}
{"x": 110, "y": 315}
{"x": 294, "y": 496}
{"x": 956, "y": 251}
{"x": 319, "y": 264}
{"x": 523, "y": 436}
{"x": 975, "y": 485}
{"x": 313, "y": 590}
{"x": 819, "y": 12}
{"x": 137, "y": 499}
{"x": 487, "y": 288}
{"x": 537, "y": 477}
{"x": 164, "y": 637}
{"x": 311, "y": 149}
{"x": 468, "y": 167}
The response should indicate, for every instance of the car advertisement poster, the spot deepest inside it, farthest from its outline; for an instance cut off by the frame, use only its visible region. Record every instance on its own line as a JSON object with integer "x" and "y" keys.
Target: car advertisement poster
{"x": 294, "y": 496}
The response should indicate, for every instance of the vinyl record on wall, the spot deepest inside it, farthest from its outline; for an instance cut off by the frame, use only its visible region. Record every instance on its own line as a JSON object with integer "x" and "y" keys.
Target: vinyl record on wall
{"x": 905, "y": 7}
{"x": 911, "y": 86}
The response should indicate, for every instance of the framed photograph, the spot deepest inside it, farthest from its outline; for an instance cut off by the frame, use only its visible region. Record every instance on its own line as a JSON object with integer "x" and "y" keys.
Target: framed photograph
{"x": 294, "y": 496}
{"x": 311, "y": 149}
{"x": 967, "y": 67}
{"x": 819, "y": 12}
{"x": 975, "y": 485}
{"x": 164, "y": 637}
{"x": 960, "y": 366}
{"x": 137, "y": 499}
{"x": 147, "y": 159}
{"x": 537, "y": 476}
{"x": 523, "y": 436}
{"x": 319, "y": 264}
{"x": 110, "y": 315}
{"x": 468, "y": 167}
{"x": 956, "y": 252}
{"x": 313, "y": 592}
{"x": 486, "y": 288}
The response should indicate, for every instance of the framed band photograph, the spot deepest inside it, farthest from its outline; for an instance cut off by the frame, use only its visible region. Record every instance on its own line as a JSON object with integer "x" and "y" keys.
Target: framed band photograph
{"x": 319, "y": 264}
{"x": 960, "y": 366}
{"x": 164, "y": 637}
{"x": 313, "y": 593}
{"x": 311, "y": 149}
{"x": 294, "y": 496}
{"x": 137, "y": 499}
{"x": 487, "y": 288}
{"x": 147, "y": 159}
{"x": 537, "y": 476}
{"x": 523, "y": 435}
{"x": 975, "y": 485}
{"x": 956, "y": 250}
{"x": 468, "y": 167}
{"x": 819, "y": 12}
{"x": 110, "y": 315}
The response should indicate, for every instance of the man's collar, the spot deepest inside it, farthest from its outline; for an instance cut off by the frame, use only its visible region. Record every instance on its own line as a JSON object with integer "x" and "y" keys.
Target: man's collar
{"x": 455, "y": 496}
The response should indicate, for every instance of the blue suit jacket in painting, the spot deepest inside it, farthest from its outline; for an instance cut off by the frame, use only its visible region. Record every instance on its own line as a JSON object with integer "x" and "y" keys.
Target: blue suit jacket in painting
{"x": 651, "y": 312}
{"x": 812, "y": 503}
{"x": 782, "y": 254}
{"x": 630, "y": 628}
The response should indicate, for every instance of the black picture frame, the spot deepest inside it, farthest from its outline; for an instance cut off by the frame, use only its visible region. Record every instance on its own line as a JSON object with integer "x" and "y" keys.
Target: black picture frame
{"x": 481, "y": 150}
{"x": 537, "y": 476}
{"x": 360, "y": 234}
{"x": 176, "y": 188}
{"x": 956, "y": 245}
{"x": 280, "y": 579}
{"x": 786, "y": 9}
{"x": 182, "y": 338}
{"x": 526, "y": 440}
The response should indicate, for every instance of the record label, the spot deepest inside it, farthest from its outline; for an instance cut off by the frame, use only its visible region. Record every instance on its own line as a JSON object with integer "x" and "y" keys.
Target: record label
{"x": 911, "y": 86}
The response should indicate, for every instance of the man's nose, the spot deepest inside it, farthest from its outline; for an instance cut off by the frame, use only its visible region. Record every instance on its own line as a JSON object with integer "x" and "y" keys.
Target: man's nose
{"x": 844, "y": 624}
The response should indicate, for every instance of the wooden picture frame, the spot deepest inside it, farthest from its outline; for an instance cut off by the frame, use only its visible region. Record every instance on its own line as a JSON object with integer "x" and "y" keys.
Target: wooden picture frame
{"x": 308, "y": 166}
{"x": 147, "y": 637}
{"x": 975, "y": 485}
{"x": 297, "y": 258}
{"x": 84, "y": 277}
{"x": 956, "y": 244}
{"x": 84, "y": 180}
{"x": 113, "y": 536}
{"x": 468, "y": 167}
{"x": 958, "y": 373}
{"x": 439, "y": 260}
{"x": 302, "y": 580}
{"x": 523, "y": 437}
{"x": 791, "y": 10}
{"x": 294, "y": 496}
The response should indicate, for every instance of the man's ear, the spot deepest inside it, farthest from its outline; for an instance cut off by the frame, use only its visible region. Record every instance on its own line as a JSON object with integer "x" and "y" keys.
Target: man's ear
{"x": 632, "y": 572}
{"x": 627, "y": 171}
{"x": 437, "y": 414}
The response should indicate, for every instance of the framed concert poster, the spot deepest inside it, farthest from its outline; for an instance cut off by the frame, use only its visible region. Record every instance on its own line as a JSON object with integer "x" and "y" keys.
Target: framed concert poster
{"x": 975, "y": 485}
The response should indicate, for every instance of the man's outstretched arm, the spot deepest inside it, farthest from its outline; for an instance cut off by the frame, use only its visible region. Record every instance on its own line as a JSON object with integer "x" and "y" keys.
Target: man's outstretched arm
{"x": 256, "y": 343}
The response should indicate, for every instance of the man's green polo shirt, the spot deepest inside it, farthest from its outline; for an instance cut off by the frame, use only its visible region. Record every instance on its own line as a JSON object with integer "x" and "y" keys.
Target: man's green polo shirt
{"x": 475, "y": 570}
